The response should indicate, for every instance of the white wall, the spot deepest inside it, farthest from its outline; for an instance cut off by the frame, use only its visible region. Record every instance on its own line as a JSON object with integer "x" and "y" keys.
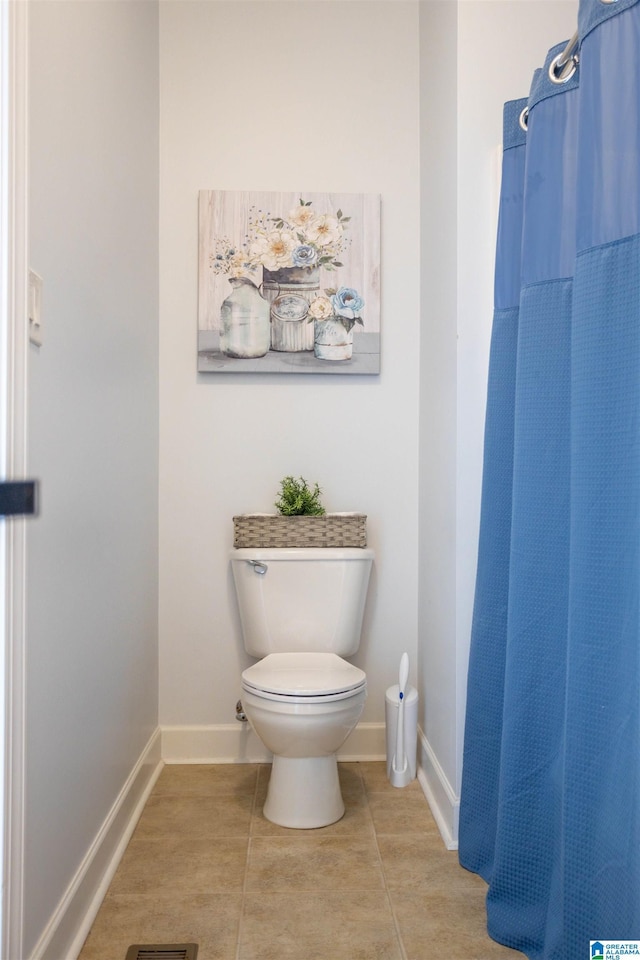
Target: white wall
{"x": 423, "y": 88}
{"x": 277, "y": 96}
{"x": 489, "y": 54}
{"x": 92, "y": 678}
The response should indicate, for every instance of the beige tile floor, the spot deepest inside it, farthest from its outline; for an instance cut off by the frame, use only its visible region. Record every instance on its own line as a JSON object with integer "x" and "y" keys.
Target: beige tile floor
{"x": 204, "y": 866}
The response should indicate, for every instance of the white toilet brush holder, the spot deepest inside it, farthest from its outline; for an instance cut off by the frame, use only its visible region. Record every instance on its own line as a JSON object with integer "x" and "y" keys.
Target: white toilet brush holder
{"x": 401, "y": 716}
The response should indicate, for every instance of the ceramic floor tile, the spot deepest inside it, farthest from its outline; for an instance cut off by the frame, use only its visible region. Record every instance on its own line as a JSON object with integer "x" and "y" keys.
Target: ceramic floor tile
{"x": 204, "y": 817}
{"x": 402, "y": 814}
{"x": 374, "y": 777}
{"x": 309, "y": 863}
{"x": 181, "y": 866}
{"x": 451, "y": 925}
{"x": 351, "y": 783}
{"x": 423, "y": 863}
{"x": 207, "y": 780}
{"x": 264, "y": 772}
{"x": 211, "y": 921}
{"x": 323, "y": 926}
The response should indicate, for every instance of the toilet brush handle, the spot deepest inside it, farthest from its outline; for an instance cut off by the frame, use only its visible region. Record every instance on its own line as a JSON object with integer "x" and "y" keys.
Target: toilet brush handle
{"x": 400, "y": 760}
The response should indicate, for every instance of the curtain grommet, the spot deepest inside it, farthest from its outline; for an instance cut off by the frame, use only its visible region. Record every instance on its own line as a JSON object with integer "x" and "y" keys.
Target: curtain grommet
{"x": 568, "y": 68}
{"x": 523, "y": 119}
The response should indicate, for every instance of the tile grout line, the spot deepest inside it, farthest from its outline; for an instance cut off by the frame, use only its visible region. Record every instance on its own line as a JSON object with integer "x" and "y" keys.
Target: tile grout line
{"x": 387, "y": 892}
{"x": 254, "y": 807}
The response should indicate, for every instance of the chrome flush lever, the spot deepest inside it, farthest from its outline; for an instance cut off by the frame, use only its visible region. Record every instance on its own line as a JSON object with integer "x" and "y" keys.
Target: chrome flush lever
{"x": 258, "y": 567}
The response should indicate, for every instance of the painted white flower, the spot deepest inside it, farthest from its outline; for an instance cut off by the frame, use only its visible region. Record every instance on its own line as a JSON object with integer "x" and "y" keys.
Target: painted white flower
{"x": 320, "y": 308}
{"x": 325, "y": 230}
{"x": 273, "y": 250}
{"x": 301, "y": 217}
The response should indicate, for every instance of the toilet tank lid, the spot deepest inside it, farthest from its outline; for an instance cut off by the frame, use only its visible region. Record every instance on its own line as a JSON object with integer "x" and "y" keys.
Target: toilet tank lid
{"x": 304, "y": 674}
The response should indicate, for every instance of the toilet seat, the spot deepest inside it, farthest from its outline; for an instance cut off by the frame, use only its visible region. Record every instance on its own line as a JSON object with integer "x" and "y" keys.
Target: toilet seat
{"x": 304, "y": 678}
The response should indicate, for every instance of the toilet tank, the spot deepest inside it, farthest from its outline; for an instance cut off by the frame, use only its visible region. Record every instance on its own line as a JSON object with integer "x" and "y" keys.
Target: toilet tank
{"x": 294, "y": 600}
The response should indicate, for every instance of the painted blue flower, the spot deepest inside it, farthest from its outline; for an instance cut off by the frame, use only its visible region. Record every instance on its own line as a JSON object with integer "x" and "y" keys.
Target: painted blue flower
{"x": 304, "y": 256}
{"x": 347, "y": 303}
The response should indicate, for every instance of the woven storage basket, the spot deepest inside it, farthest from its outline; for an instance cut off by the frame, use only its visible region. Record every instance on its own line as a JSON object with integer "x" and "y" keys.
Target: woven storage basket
{"x": 331, "y": 530}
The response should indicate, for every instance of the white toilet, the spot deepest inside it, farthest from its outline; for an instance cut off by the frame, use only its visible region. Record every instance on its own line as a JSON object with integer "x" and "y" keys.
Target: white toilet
{"x": 301, "y": 612}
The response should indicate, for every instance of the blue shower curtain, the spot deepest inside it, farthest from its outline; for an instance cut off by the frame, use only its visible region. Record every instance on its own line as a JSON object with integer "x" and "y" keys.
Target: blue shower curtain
{"x": 550, "y": 806}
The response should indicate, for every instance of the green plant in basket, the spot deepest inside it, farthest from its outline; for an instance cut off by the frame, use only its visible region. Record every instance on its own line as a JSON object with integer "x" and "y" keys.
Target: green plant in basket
{"x": 297, "y": 499}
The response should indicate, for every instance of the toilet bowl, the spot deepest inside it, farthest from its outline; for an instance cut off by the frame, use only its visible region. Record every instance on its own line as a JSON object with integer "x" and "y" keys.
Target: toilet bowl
{"x": 301, "y": 612}
{"x": 303, "y": 706}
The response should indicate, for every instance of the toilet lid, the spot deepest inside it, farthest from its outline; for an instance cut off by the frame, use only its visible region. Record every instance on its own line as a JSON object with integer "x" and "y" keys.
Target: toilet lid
{"x": 303, "y": 675}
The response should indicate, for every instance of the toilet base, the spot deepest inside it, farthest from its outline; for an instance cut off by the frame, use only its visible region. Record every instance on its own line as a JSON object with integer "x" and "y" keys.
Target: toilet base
{"x": 304, "y": 792}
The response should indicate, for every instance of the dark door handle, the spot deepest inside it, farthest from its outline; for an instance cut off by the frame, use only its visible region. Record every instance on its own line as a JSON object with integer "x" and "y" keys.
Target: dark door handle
{"x": 18, "y": 498}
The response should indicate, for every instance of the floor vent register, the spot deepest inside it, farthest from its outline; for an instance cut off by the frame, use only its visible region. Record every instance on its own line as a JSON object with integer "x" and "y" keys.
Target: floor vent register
{"x": 162, "y": 951}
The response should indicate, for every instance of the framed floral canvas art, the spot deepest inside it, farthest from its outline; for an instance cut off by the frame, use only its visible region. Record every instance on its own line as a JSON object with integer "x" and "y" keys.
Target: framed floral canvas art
{"x": 288, "y": 282}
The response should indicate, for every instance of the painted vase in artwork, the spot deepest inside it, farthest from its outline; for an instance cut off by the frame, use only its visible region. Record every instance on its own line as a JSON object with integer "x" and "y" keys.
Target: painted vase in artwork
{"x": 304, "y": 281}
{"x": 290, "y": 288}
{"x": 291, "y": 331}
{"x": 244, "y": 321}
{"x": 332, "y": 340}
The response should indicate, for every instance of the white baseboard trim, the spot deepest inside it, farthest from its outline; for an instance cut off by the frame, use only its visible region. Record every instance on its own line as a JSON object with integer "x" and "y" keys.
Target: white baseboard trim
{"x": 237, "y": 743}
{"x": 71, "y": 921}
{"x": 444, "y": 803}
